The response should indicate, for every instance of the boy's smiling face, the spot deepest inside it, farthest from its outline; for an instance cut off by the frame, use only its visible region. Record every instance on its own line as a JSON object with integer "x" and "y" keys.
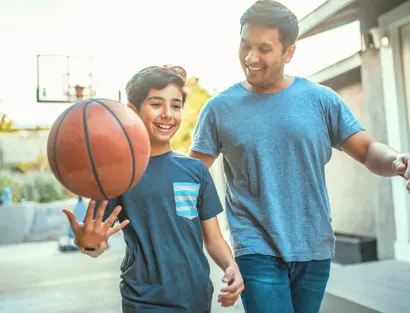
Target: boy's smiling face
{"x": 161, "y": 113}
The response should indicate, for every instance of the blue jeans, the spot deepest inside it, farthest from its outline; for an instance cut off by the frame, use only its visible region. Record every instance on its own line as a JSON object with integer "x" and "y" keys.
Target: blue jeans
{"x": 275, "y": 286}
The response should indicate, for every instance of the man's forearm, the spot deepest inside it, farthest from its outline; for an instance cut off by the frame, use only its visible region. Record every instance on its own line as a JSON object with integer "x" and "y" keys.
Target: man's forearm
{"x": 220, "y": 252}
{"x": 379, "y": 159}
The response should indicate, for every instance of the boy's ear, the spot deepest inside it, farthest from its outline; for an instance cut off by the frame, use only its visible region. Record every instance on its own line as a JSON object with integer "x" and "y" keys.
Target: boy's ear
{"x": 132, "y": 107}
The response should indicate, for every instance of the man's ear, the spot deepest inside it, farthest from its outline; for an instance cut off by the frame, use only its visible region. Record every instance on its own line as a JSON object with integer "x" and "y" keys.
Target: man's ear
{"x": 290, "y": 51}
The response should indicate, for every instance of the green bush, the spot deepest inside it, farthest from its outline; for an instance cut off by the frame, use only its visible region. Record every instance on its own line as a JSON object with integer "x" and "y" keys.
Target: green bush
{"x": 49, "y": 189}
{"x": 8, "y": 180}
{"x": 33, "y": 186}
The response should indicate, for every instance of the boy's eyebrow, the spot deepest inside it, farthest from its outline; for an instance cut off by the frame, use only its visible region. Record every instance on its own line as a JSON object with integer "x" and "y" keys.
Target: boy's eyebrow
{"x": 162, "y": 99}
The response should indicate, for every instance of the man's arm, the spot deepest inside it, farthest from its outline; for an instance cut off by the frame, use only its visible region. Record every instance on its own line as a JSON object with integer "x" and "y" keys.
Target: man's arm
{"x": 207, "y": 159}
{"x": 377, "y": 157}
{"x": 220, "y": 252}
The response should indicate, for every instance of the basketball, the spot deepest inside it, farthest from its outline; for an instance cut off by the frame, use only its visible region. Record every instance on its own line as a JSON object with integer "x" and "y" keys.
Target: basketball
{"x": 98, "y": 148}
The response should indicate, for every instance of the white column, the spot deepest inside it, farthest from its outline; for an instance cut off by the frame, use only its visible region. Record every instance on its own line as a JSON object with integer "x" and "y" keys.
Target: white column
{"x": 397, "y": 134}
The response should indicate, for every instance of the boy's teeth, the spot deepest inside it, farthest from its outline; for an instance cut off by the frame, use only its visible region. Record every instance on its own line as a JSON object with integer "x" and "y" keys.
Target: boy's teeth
{"x": 164, "y": 126}
{"x": 254, "y": 68}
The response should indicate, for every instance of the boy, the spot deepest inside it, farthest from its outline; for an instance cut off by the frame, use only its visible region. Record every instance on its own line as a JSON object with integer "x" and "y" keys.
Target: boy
{"x": 170, "y": 213}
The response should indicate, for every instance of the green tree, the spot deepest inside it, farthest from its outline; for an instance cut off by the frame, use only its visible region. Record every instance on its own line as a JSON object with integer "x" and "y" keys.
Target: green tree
{"x": 5, "y": 124}
{"x": 197, "y": 96}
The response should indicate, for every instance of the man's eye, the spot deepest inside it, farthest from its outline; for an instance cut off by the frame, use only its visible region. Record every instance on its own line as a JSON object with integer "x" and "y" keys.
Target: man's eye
{"x": 265, "y": 50}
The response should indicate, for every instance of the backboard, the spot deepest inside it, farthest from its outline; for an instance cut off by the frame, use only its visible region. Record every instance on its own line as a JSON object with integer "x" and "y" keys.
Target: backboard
{"x": 64, "y": 78}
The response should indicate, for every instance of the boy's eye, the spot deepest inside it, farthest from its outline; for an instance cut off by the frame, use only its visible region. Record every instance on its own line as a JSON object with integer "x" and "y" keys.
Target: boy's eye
{"x": 177, "y": 106}
{"x": 156, "y": 104}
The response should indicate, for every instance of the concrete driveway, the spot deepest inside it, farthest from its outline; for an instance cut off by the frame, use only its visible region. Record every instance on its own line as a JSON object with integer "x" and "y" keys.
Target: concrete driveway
{"x": 37, "y": 278}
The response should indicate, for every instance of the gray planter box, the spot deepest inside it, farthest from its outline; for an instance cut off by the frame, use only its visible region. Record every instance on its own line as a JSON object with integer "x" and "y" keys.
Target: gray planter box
{"x": 351, "y": 249}
{"x": 33, "y": 221}
{"x": 15, "y": 222}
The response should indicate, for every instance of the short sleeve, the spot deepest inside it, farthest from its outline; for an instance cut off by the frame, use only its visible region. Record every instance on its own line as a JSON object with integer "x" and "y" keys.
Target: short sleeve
{"x": 205, "y": 137}
{"x": 209, "y": 204}
{"x": 341, "y": 121}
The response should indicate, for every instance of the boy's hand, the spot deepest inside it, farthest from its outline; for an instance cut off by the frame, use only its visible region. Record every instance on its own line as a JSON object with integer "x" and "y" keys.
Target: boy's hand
{"x": 93, "y": 232}
{"x": 235, "y": 286}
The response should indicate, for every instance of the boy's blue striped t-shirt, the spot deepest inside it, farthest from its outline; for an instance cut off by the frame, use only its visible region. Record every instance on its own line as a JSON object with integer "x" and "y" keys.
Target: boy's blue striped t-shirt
{"x": 165, "y": 269}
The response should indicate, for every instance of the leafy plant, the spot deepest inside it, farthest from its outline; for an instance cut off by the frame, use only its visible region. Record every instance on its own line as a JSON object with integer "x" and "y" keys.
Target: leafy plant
{"x": 49, "y": 189}
{"x": 197, "y": 97}
{"x": 33, "y": 186}
{"x": 7, "y": 180}
{"x": 5, "y": 124}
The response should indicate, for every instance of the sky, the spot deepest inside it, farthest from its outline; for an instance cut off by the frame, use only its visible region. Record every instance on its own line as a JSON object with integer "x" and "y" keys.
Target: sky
{"x": 125, "y": 35}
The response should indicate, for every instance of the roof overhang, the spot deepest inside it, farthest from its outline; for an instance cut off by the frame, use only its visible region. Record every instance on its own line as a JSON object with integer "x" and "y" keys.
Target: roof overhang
{"x": 331, "y": 14}
{"x": 340, "y": 74}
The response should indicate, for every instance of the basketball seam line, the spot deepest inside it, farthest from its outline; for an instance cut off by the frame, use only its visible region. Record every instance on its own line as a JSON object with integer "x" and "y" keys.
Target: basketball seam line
{"x": 126, "y": 136}
{"x": 87, "y": 142}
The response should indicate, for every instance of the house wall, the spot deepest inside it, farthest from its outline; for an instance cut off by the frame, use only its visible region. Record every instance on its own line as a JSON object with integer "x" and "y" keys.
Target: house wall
{"x": 22, "y": 147}
{"x": 350, "y": 184}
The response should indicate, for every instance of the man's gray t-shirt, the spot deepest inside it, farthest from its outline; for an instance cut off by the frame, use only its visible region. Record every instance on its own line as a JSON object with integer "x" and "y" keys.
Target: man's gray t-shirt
{"x": 275, "y": 148}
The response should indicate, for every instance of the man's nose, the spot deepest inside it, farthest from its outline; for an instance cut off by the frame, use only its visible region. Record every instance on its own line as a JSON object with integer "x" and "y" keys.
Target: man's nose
{"x": 252, "y": 57}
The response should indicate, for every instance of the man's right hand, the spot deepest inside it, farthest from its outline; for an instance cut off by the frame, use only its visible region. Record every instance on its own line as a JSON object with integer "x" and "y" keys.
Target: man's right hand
{"x": 94, "y": 231}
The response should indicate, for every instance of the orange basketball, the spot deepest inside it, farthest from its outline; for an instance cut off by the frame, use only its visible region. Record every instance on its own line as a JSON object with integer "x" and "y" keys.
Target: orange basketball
{"x": 98, "y": 148}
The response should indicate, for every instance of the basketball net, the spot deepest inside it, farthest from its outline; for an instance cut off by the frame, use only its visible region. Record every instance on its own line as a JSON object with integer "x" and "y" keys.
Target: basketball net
{"x": 80, "y": 93}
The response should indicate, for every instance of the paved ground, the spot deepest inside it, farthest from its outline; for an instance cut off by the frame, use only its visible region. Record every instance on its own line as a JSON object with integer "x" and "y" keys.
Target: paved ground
{"x": 37, "y": 278}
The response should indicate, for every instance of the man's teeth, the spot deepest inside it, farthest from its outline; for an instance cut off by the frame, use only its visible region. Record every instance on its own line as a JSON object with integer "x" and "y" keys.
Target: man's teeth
{"x": 163, "y": 126}
{"x": 255, "y": 68}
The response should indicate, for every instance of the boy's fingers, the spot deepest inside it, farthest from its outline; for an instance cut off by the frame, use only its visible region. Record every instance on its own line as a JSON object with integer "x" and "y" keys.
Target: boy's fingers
{"x": 100, "y": 212}
{"x": 109, "y": 222}
{"x": 231, "y": 295}
{"x": 231, "y": 288}
{"x": 229, "y": 299}
{"x": 89, "y": 216}
{"x": 117, "y": 228}
{"x": 71, "y": 218}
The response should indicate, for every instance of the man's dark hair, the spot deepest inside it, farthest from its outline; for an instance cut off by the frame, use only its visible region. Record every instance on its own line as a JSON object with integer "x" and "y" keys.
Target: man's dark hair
{"x": 154, "y": 77}
{"x": 273, "y": 14}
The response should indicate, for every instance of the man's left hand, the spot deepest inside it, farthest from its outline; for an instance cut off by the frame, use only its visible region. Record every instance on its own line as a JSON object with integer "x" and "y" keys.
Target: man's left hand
{"x": 401, "y": 166}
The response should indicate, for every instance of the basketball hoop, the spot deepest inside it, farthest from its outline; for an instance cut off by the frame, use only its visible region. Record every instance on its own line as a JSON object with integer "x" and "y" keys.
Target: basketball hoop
{"x": 79, "y": 92}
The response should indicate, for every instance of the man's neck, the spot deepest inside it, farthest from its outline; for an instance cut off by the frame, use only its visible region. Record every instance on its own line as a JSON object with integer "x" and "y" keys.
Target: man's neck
{"x": 280, "y": 84}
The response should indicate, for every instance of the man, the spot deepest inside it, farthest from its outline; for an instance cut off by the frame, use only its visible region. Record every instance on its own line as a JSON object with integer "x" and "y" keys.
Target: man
{"x": 276, "y": 134}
